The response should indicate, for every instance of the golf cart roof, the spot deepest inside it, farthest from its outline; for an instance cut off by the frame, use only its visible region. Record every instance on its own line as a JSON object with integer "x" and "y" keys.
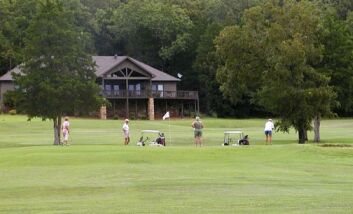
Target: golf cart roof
{"x": 150, "y": 131}
{"x": 233, "y": 132}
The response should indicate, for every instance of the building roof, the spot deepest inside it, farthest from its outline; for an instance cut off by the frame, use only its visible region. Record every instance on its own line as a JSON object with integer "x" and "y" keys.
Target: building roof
{"x": 8, "y": 76}
{"x": 107, "y": 63}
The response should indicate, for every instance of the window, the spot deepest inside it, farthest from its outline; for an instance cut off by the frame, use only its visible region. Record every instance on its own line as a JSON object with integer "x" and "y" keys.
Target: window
{"x": 158, "y": 89}
{"x": 116, "y": 87}
{"x": 108, "y": 87}
{"x": 138, "y": 89}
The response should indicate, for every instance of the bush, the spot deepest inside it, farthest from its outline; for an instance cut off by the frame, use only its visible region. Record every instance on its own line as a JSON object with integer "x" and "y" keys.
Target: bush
{"x": 12, "y": 112}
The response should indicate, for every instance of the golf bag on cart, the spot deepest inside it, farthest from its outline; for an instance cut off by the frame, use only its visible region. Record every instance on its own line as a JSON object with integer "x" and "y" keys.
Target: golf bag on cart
{"x": 161, "y": 139}
{"x": 142, "y": 142}
{"x": 244, "y": 141}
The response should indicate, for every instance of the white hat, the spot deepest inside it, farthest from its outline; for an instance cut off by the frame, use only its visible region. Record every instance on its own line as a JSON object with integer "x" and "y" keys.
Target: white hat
{"x": 270, "y": 119}
{"x": 197, "y": 118}
{"x": 126, "y": 120}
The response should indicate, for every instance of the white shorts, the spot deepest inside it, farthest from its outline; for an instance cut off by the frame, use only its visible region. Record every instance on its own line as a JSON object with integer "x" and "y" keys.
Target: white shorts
{"x": 66, "y": 136}
{"x": 126, "y": 134}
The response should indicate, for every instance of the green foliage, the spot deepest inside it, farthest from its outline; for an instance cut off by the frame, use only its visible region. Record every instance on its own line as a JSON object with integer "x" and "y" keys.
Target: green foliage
{"x": 177, "y": 36}
{"x": 150, "y": 30}
{"x": 338, "y": 60}
{"x": 11, "y": 98}
{"x": 58, "y": 75}
{"x": 271, "y": 58}
{"x": 14, "y": 20}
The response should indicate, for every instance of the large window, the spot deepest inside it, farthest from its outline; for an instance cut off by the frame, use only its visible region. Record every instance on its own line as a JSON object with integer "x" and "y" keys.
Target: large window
{"x": 135, "y": 88}
{"x": 108, "y": 87}
{"x": 158, "y": 89}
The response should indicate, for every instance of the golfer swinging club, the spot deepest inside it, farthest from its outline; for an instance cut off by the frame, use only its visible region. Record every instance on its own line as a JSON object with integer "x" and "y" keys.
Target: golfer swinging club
{"x": 126, "y": 132}
{"x": 66, "y": 131}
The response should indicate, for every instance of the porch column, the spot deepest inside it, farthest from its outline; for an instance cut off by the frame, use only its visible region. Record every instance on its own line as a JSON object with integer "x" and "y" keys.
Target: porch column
{"x": 182, "y": 109}
{"x": 195, "y": 108}
{"x": 103, "y": 113}
{"x": 127, "y": 99}
{"x": 151, "y": 108}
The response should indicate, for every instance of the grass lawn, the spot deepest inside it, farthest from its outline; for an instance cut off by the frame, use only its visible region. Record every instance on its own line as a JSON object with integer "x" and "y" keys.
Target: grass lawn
{"x": 97, "y": 174}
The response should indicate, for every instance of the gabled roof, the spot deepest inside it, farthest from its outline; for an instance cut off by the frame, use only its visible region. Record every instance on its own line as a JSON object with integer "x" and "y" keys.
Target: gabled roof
{"x": 106, "y": 63}
{"x": 8, "y": 76}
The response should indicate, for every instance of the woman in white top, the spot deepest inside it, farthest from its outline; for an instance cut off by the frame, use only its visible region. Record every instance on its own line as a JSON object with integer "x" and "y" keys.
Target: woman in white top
{"x": 66, "y": 131}
{"x": 268, "y": 131}
{"x": 126, "y": 132}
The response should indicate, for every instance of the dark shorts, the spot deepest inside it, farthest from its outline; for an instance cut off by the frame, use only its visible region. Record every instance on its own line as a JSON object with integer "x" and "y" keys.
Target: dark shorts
{"x": 198, "y": 133}
{"x": 268, "y": 133}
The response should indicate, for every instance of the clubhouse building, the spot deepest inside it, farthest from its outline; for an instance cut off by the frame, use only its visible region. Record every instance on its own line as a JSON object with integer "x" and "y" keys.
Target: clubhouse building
{"x": 134, "y": 89}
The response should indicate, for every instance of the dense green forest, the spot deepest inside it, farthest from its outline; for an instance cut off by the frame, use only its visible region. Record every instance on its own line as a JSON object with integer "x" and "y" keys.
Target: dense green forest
{"x": 245, "y": 57}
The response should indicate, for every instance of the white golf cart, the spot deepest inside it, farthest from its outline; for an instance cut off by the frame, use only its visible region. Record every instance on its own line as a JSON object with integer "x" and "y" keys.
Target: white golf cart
{"x": 232, "y": 138}
{"x": 151, "y": 138}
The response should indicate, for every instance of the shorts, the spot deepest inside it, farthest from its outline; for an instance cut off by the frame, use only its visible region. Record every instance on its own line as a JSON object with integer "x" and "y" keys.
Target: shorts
{"x": 66, "y": 136}
{"x": 197, "y": 133}
{"x": 268, "y": 133}
{"x": 126, "y": 134}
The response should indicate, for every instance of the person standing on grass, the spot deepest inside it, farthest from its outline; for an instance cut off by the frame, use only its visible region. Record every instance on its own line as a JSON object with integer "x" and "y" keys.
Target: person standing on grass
{"x": 269, "y": 127}
{"x": 66, "y": 131}
{"x": 126, "y": 132}
{"x": 198, "y": 126}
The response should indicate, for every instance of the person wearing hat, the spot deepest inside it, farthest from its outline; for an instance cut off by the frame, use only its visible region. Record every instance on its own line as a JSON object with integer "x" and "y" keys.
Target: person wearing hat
{"x": 268, "y": 131}
{"x": 66, "y": 131}
{"x": 198, "y": 126}
{"x": 126, "y": 132}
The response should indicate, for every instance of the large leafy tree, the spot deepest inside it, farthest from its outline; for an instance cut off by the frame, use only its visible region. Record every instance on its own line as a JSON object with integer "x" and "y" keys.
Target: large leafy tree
{"x": 271, "y": 58}
{"x": 58, "y": 75}
{"x": 15, "y": 16}
{"x": 151, "y": 31}
{"x": 338, "y": 60}
{"x": 209, "y": 23}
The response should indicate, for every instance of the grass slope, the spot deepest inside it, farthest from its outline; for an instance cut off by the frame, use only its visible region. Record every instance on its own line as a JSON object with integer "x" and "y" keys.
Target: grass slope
{"x": 99, "y": 175}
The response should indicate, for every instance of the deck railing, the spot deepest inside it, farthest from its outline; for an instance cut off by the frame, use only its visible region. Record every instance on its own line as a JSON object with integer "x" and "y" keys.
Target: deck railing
{"x": 121, "y": 94}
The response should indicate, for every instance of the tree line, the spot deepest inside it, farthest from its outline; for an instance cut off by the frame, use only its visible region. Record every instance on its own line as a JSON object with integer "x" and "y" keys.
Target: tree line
{"x": 291, "y": 59}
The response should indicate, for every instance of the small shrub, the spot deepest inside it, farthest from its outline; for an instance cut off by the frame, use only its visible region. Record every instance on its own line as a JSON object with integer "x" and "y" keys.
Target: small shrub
{"x": 12, "y": 112}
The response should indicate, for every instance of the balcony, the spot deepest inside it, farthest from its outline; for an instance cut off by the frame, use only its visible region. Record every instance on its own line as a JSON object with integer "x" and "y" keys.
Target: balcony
{"x": 144, "y": 94}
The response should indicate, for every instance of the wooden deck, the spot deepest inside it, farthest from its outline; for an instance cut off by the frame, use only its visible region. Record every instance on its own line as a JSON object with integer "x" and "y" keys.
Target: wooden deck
{"x": 144, "y": 94}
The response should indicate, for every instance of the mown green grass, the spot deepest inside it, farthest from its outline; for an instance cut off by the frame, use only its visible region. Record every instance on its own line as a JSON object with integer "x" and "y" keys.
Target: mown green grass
{"x": 97, "y": 174}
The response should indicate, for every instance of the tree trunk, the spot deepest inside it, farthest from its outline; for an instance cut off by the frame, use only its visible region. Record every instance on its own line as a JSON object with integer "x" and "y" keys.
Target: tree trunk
{"x": 306, "y": 135}
{"x": 301, "y": 133}
{"x": 57, "y": 130}
{"x": 317, "y": 129}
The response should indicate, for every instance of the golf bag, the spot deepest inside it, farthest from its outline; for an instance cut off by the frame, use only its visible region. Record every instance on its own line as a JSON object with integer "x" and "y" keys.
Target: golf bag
{"x": 244, "y": 141}
{"x": 142, "y": 142}
{"x": 161, "y": 139}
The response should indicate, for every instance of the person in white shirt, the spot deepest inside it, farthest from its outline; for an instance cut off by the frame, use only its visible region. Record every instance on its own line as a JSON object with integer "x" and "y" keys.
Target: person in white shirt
{"x": 268, "y": 131}
{"x": 66, "y": 131}
{"x": 126, "y": 132}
